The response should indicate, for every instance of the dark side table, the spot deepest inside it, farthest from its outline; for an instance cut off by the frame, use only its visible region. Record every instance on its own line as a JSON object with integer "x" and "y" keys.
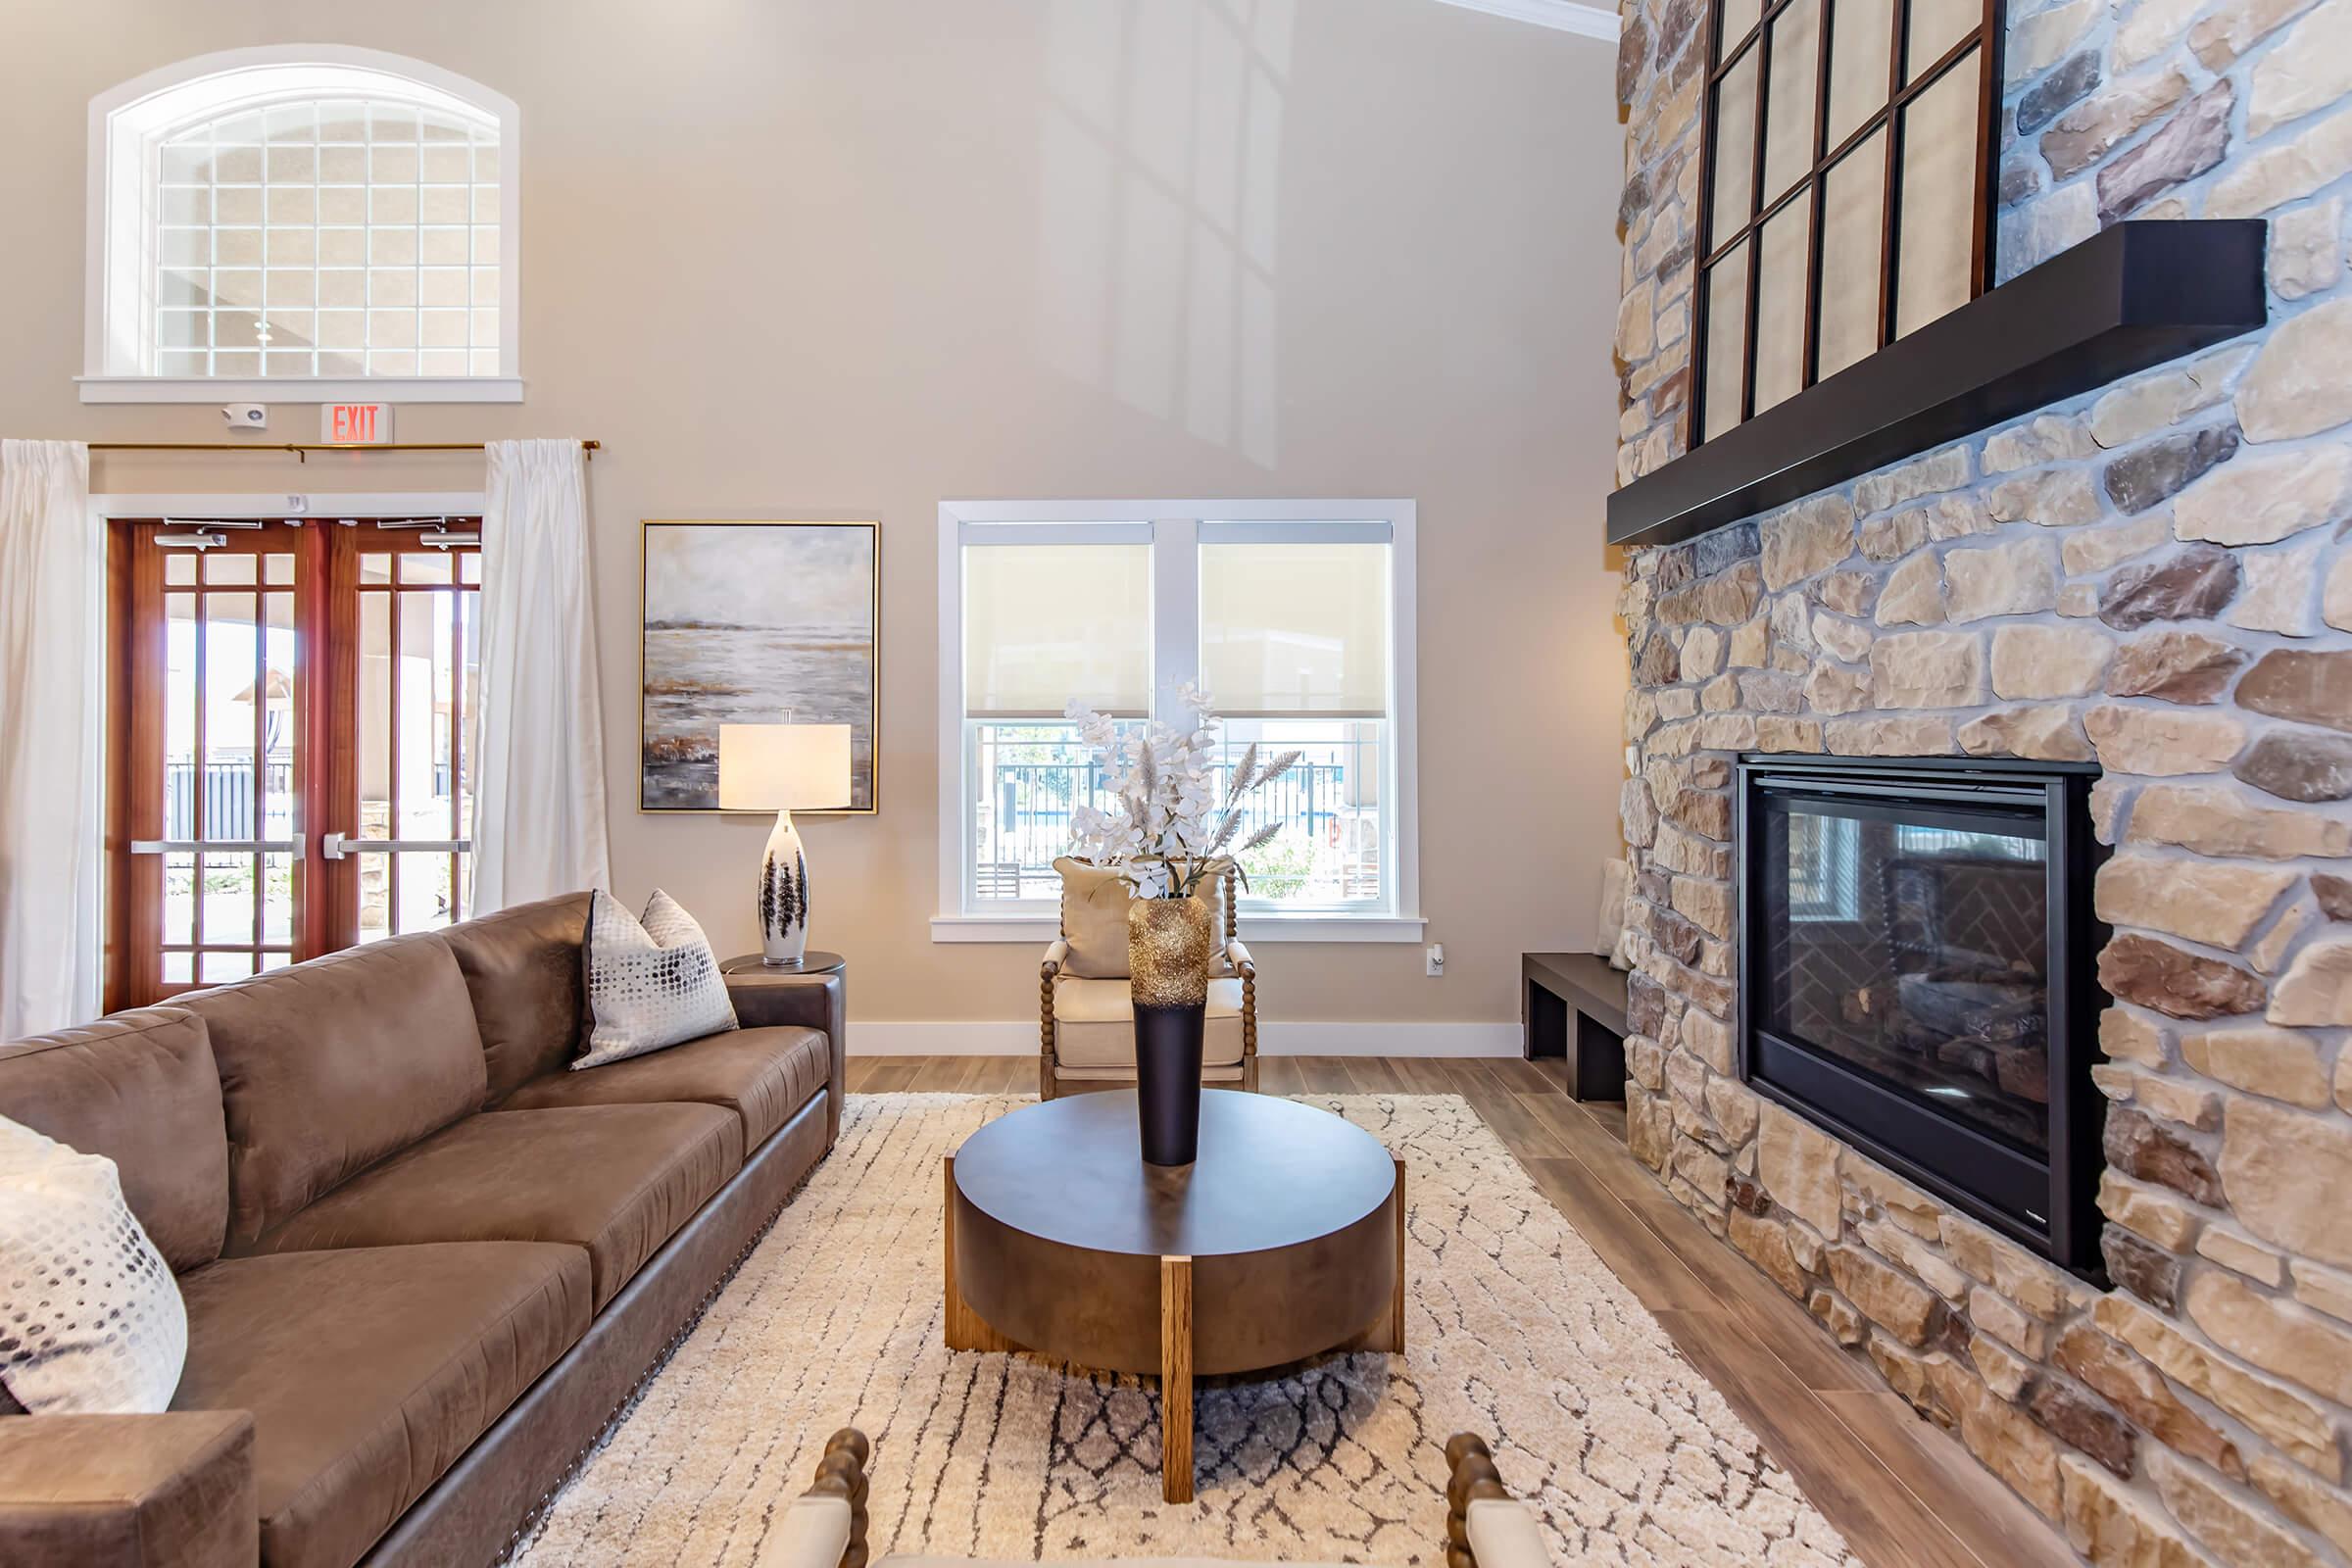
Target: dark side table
{"x": 1572, "y": 1005}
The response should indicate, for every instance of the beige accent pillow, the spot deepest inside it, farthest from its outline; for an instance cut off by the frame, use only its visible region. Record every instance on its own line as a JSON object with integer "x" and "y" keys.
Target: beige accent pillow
{"x": 1093, "y": 918}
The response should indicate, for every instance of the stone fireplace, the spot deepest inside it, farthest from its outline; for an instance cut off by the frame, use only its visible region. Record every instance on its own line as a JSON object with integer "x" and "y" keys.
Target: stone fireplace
{"x": 1914, "y": 974}
{"x": 2151, "y": 579}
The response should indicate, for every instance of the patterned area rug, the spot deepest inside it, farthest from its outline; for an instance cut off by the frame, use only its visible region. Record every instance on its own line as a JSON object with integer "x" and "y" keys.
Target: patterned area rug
{"x": 1516, "y": 1331}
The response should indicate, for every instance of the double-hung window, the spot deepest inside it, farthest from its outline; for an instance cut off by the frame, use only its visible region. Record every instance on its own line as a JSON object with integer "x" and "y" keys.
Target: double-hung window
{"x": 1297, "y": 619}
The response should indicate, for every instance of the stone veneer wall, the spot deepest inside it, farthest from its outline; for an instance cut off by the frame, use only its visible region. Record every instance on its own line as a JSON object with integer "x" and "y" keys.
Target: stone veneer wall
{"x": 2156, "y": 576}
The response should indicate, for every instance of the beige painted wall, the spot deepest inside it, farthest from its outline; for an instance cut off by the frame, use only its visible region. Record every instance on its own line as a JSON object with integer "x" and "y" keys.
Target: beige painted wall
{"x": 846, "y": 258}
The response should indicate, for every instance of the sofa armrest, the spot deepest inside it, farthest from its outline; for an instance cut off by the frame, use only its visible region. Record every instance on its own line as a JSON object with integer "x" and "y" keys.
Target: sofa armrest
{"x": 1239, "y": 956}
{"x": 172, "y": 1491}
{"x": 1056, "y": 957}
{"x": 825, "y": 1525}
{"x": 1486, "y": 1527}
{"x": 818, "y": 1001}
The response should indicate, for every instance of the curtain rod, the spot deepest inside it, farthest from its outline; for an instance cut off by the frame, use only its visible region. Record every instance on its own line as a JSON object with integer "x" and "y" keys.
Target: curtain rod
{"x": 303, "y": 449}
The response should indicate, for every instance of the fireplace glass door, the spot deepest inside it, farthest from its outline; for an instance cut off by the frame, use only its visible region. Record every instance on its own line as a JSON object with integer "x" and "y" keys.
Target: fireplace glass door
{"x": 1916, "y": 941}
{"x": 1910, "y": 942}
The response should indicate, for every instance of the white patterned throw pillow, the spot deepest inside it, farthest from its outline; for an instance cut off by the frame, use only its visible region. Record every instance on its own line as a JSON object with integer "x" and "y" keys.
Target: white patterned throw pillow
{"x": 91, "y": 1322}
{"x": 651, "y": 983}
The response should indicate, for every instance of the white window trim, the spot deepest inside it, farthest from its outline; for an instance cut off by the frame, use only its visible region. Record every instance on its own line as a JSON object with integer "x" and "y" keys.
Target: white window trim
{"x": 1094, "y": 521}
{"x": 119, "y": 144}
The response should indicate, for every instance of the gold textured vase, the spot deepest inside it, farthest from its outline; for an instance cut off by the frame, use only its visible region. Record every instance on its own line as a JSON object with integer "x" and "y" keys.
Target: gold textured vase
{"x": 1168, "y": 952}
{"x": 1168, "y": 969}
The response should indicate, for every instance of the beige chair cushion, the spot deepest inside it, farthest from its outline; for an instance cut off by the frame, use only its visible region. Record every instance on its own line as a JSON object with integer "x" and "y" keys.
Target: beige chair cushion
{"x": 1094, "y": 917}
{"x": 1094, "y": 1024}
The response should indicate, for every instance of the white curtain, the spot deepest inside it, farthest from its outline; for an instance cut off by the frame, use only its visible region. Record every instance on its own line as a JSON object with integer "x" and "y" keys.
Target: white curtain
{"x": 539, "y": 801}
{"x": 52, "y": 688}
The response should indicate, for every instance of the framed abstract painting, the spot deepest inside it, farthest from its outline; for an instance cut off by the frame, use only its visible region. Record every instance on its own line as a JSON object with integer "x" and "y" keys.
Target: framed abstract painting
{"x": 746, "y": 623}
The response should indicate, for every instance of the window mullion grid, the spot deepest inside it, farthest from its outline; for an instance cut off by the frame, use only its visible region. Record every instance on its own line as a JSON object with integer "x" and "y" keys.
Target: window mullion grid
{"x": 416, "y": 256}
{"x": 1817, "y": 183}
{"x": 1898, "y": 44}
{"x": 1175, "y": 611}
{"x": 1755, "y": 221}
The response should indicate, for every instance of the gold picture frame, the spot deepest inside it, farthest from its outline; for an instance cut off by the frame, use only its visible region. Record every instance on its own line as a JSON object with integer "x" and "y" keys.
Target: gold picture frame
{"x": 738, "y": 626}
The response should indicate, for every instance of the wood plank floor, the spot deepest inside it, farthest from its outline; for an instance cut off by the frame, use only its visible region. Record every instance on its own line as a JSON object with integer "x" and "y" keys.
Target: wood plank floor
{"x": 1902, "y": 1491}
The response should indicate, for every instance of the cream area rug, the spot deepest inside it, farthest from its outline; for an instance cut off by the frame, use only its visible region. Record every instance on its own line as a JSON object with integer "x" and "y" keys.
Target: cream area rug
{"x": 1515, "y": 1331}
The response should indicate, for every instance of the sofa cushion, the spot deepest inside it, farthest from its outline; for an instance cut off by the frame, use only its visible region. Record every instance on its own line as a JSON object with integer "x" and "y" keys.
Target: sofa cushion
{"x": 1094, "y": 1024}
{"x": 329, "y": 1067}
{"x": 615, "y": 1179}
{"x": 522, "y": 966}
{"x": 763, "y": 1075}
{"x": 370, "y": 1371}
{"x": 140, "y": 1088}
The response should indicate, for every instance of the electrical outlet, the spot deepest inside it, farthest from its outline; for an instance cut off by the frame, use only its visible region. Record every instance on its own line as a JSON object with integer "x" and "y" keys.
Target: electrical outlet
{"x": 1434, "y": 958}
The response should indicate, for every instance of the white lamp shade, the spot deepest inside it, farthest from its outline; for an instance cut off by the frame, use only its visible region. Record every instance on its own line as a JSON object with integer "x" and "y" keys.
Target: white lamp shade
{"x": 783, "y": 767}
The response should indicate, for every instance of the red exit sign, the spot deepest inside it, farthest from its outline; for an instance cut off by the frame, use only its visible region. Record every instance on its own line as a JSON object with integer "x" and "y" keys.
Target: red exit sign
{"x": 361, "y": 425}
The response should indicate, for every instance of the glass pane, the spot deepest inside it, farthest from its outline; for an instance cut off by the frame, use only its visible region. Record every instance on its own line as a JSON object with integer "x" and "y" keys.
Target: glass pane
{"x": 422, "y": 713}
{"x": 1780, "y": 303}
{"x": 223, "y": 567}
{"x": 1852, "y": 236}
{"x": 179, "y": 968}
{"x": 219, "y": 968}
{"x": 1739, "y": 19}
{"x": 276, "y": 960}
{"x": 1024, "y": 779}
{"x": 432, "y": 567}
{"x": 299, "y": 185}
{"x": 1940, "y": 155}
{"x": 427, "y": 896}
{"x": 1788, "y": 151}
{"x": 371, "y": 728}
{"x": 469, "y": 567}
{"x": 1861, "y": 37}
{"x": 181, "y": 798}
{"x": 180, "y": 900}
{"x": 228, "y": 897}
{"x": 1727, "y": 339}
{"x": 1936, "y": 25}
{"x": 277, "y": 569}
{"x": 1913, "y": 949}
{"x": 233, "y": 711}
{"x": 375, "y": 567}
{"x": 277, "y": 721}
{"x": 277, "y": 898}
{"x": 1328, "y": 851}
{"x": 1735, "y": 149}
{"x": 180, "y": 568}
{"x": 470, "y": 731}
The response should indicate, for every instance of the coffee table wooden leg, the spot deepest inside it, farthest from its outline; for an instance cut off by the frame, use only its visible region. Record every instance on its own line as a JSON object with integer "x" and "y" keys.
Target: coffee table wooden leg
{"x": 964, "y": 1328}
{"x": 1176, "y": 1379}
{"x": 1396, "y": 1302}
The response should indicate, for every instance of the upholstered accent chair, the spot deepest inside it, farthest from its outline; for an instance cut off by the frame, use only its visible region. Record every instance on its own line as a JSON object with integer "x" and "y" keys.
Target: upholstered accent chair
{"x": 1086, "y": 1016}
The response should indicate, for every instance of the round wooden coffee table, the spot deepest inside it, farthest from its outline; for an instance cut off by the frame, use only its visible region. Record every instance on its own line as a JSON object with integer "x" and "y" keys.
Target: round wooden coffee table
{"x": 1284, "y": 1240}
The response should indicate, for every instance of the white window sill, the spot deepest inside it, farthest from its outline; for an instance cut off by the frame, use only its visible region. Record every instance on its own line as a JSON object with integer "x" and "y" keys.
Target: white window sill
{"x": 300, "y": 389}
{"x": 1042, "y": 929}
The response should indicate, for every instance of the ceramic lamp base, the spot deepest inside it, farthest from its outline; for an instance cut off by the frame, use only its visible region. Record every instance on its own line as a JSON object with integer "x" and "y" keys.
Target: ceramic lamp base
{"x": 784, "y": 897}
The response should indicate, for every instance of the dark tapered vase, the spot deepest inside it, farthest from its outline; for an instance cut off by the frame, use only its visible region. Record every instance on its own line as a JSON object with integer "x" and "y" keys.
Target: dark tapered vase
{"x": 1167, "y": 966}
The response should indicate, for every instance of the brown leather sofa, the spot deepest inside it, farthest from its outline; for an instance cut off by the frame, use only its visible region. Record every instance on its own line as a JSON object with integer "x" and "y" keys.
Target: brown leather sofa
{"x": 424, "y": 1262}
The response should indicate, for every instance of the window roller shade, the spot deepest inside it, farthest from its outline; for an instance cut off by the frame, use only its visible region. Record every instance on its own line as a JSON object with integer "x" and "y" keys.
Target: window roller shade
{"x": 1293, "y": 631}
{"x": 1046, "y": 623}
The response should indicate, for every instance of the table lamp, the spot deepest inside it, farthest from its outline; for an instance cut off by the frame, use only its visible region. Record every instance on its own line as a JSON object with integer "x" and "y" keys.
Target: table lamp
{"x": 774, "y": 767}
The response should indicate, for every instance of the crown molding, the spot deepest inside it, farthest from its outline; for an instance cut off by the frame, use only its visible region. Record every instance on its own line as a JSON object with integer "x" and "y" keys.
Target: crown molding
{"x": 1565, "y": 16}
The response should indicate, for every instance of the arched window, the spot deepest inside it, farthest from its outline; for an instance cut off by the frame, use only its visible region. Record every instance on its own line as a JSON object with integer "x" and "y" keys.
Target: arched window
{"x": 302, "y": 222}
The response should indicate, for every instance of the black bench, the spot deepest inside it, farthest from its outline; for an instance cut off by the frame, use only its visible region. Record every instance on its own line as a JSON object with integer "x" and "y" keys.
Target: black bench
{"x": 1572, "y": 1005}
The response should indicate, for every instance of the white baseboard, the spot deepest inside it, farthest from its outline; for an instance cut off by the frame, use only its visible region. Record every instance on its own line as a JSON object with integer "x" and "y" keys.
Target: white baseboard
{"x": 1018, "y": 1038}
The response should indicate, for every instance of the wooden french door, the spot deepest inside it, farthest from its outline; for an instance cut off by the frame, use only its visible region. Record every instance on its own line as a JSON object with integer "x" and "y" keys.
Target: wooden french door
{"x": 291, "y": 741}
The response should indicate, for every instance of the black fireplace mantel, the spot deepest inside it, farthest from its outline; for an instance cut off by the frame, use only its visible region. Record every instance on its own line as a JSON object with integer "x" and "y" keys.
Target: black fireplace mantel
{"x": 2132, "y": 296}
